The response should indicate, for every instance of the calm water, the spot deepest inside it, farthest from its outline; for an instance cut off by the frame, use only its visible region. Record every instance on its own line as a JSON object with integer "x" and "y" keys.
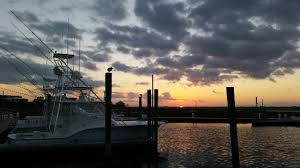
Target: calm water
{"x": 208, "y": 145}
{"x": 186, "y": 145}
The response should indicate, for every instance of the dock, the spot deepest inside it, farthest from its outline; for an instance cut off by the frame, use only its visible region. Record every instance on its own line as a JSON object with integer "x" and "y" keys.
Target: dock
{"x": 203, "y": 119}
{"x": 275, "y": 122}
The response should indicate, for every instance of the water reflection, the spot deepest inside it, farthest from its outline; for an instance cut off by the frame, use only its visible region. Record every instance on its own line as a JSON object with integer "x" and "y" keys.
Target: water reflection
{"x": 208, "y": 145}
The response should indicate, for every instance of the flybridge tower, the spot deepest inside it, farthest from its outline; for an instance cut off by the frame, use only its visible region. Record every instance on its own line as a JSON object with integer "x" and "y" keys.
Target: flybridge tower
{"x": 67, "y": 91}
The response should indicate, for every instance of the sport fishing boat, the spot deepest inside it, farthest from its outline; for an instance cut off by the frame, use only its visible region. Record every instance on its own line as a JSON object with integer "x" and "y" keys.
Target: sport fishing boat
{"x": 74, "y": 114}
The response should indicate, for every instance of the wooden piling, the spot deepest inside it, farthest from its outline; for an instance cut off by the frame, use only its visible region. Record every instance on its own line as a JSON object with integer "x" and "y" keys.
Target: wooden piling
{"x": 149, "y": 114}
{"x": 140, "y": 107}
{"x": 156, "y": 120}
{"x": 233, "y": 127}
{"x": 108, "y": 93}
{"x": 256, "y": 103}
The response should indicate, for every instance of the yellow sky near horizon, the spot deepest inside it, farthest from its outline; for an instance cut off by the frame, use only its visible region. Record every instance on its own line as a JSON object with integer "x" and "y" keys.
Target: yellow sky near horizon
{"x": 283, "y": 92}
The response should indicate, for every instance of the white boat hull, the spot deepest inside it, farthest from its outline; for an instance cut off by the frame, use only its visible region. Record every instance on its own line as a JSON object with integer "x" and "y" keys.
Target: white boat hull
{"x": 88, "y": 136}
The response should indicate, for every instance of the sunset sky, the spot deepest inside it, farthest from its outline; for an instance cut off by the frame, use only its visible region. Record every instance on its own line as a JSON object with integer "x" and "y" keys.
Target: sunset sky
{"x": 194, "y": 48}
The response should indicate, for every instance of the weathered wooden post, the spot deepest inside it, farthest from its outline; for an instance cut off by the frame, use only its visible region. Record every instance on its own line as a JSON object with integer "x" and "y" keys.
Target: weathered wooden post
{"x": 155, "y": 120}
{"x": 256, "y": 103}
{"x": 233, "y": 127}
{"x": 108, "y": 92}
{"x": 140, "y": 107}
{"x": 149, "y": 114}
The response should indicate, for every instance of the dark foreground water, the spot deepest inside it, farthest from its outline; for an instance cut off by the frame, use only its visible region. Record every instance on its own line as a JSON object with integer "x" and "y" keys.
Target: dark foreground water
{"x": 208, "y": 145}
{"x": 186, "y": 145}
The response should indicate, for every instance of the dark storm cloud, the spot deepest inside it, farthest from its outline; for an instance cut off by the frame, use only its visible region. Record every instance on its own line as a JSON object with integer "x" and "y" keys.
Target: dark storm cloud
{"x": 100, "y": 58}
{"x": 123, "y": 49}
{"x": 95, "y": 83}
{"x": 58, "y": 28}
{"x": 162, "y": 16}
{"x": 121, "y": 67}
{"x": 92, "y": 82}
{"x": 95, "y": 55}
{"x": 90, "y": 65}
{"x": 111, "y": 10}
{"x": 50, "y": 28}
{"x": 56, "y": 42}
{"x": 15, "y": 44}
{"x": 166, "y": 73}
{"x": 208, "y": 76}
{"x": 141, "y": 41}
{"x": 228, "y": 39}
{"x": 146, "y": 70}
{"x": 17, "y": 69}
{"x": 27, "y": 16}
{"x": 244, "y": 37}
{"x": 207, "y": 41}
{"x": 20, "y": 46}
{"x": 186, "y": 61}
{"x": 142, "y": 53}
{"x": 173, "y": 75}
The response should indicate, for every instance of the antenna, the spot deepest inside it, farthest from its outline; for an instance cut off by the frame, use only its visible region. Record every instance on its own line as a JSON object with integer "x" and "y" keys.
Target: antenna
{"x": 73, "y": 60}
{"x": 79, "y": 54}
{"x": 62, "y": 41}
{"x": 152, "y": 91}
{"x": 67, "y": 38}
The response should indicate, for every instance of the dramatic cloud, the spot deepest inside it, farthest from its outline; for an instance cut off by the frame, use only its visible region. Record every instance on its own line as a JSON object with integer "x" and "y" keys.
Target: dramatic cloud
{"x": 226, "y": 40}
{"x": 162, "y": 16}
{"x": 205, "y": 42}
{"x": 110, "y": 10}
{"x": 244, "y": 36}
{"x": 147, "y": 70}
{"x": 90, "y": 65}
{"x": 18, "y": 45}
{"x": 27, "y": 16}
{"x": 22, "y": 70}
{"x": 51, "y": 28}
{"x": 140, "y": 41}
{"x": 123, "y": 49}
{"x": 95, "y": 55}
{"x": 94, "y": 83}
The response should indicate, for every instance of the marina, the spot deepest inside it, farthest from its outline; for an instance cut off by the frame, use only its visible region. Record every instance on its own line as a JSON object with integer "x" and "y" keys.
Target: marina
{"x": 150, "y": 84}
{"x": 199, "y": 144}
